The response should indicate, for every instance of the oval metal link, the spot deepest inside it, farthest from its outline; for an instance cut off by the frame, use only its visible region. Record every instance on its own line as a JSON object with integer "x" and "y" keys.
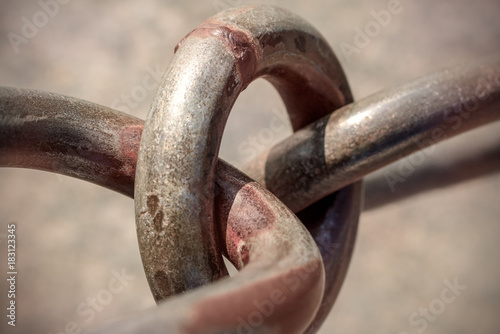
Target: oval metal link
{"x": 176, "y": 164}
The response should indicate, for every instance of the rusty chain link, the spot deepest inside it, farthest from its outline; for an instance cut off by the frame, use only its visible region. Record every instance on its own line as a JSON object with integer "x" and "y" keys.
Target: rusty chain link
{"x": 182, "y": 135}
{"x": 192, "y": 208}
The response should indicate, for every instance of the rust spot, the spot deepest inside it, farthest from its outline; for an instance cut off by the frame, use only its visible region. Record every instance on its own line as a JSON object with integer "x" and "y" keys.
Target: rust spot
{"x": 158, "y": 221}
{"x": 130, "y": 140}
{"x": 238, "y": 42}
{"x": 152, "y": 203}
{"x": 245, "y": 255}
{"x": 300, "y": 43}
{"x": 162, "y": 282}
{"x": 271, "y": 40}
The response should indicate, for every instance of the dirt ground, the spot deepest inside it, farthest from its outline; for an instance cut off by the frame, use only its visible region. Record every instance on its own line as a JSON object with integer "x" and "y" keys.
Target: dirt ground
{"x": 439, "y": 228}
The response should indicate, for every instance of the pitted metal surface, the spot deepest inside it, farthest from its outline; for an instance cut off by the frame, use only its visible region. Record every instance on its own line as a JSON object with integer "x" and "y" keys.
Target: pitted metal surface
{"x": 282, "y": 264}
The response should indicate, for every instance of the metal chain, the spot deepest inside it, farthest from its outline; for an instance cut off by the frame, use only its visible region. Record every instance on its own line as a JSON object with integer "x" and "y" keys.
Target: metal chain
{"x": 45, "y": 131}
{"x": 192, "y": 208}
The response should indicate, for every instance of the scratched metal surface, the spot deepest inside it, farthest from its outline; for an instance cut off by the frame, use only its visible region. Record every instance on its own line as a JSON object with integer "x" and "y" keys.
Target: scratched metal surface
{"x": 74, "y": 237}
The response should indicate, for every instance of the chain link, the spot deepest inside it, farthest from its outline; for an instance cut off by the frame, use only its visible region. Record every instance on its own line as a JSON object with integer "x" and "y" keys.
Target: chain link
{"x": 192, "y": 208}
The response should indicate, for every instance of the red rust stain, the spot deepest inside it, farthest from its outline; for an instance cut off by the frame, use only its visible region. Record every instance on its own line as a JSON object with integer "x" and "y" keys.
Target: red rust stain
{"x": 245, "y": 255}
{"x": 235, "y": 307}
{"x": 250, "y": 215}
{"x": 130, "y": 140}
{"x": 232, "y": 241}
{"x": 238, "y": 42}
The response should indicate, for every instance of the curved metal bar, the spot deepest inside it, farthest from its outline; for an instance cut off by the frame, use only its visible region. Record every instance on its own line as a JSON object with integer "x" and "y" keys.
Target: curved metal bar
{"x": 32, "y": 120}
{"x": 280, "y": 265}
{"x": 177, "y": 159}
{"x": 375, "y": 131}
{"x": 61, "y": 134}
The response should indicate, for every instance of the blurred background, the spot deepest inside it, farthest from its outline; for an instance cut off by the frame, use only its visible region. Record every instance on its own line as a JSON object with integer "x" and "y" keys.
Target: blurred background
{"x": 438, "y": 227}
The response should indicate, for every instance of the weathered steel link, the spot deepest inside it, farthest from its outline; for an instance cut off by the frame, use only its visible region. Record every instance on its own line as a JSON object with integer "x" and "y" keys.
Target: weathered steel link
{"x": 176, "y": 164}
{"x": 375, "y": 131}
{"x": 61, "y": 134}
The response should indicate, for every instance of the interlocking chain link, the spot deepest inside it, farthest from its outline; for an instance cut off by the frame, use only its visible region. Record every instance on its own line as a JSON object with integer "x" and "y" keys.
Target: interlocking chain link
{"x": 175, "y": 170}
{"x": 192, "y": 208}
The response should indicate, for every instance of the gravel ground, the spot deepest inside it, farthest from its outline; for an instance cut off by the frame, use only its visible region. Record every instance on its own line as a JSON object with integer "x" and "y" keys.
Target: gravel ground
{"x": 439, "y": 227}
